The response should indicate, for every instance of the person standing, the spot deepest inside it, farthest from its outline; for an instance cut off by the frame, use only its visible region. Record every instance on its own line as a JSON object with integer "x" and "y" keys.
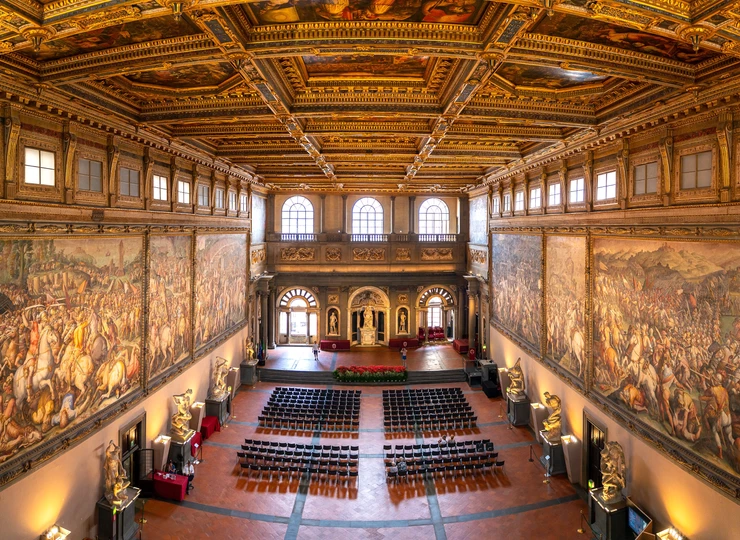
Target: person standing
{"x": 403, "y": 356}
{"x": 189, "y": 470}
{"x": 316, "y": 350}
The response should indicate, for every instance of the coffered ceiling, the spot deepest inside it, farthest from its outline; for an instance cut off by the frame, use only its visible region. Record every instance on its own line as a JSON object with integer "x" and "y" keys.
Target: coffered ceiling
{"x": 380, "y": 95}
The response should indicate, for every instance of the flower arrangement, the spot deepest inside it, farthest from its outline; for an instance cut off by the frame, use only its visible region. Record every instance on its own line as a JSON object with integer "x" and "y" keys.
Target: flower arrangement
{"x": 371, "y": 374}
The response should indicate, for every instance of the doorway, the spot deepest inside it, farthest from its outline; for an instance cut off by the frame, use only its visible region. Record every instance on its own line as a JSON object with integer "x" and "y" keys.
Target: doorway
{"x": 594, "y": 441}
{"x": 131, "y": 439}
{"x": 298, "y": 318}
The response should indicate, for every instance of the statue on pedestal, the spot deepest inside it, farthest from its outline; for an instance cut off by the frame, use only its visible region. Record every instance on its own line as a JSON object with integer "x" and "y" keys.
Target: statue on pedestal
{"x": 181, "y": 419}
{"x": 115, "y": 476}
{"x": 516, "y": 379}
{"x": 613, "y": 471}
{"x": 402, "y": 323}
{"x": 218, "y": 378}
{"x": 367, "y": 318}
{"x": 553, "y": 423}
{"x": 250, "y": 350}
{"x": 333, "y": 323}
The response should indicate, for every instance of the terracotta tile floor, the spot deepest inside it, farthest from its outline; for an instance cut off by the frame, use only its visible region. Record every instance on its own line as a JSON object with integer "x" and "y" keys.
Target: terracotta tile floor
{"x": 225, "y": 504}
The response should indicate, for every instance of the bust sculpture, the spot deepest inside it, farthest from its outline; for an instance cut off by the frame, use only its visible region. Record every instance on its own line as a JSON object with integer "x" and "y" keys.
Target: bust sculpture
{"x": 115, "y": 476}
{"x": 181, "y": 419}
{"x": 218, "y": 378}
{"x": 613, "y": 471}
{"x": 516, "y": 379}
{"x": 553, "y": 423}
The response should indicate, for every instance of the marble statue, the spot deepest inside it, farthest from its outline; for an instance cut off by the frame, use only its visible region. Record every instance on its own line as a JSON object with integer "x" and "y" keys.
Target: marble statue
{"x": 367, "y": 317}
{"x": 218, "y": 378}
{"x": 516, "y": 379}
{"x": 115, "y": 476}
{"x": 333, "y": 323}
{"x": 181, "y": 419}
{"x": 250, "y": 350}
{"x": 553, "y": 423}
{"x": 402, "y": 323}
{"x": 613, "y": 471}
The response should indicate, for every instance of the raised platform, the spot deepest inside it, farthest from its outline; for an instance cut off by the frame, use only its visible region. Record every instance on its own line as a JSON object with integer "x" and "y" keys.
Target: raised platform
{"x": 326, "y": 377}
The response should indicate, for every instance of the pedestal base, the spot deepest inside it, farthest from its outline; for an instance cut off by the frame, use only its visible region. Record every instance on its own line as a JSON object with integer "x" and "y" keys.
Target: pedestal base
{"x": 552, "y": 458}
{"x": 367, "y": 336}
{"x": 117, "y": 522}
{"x": 608, "y": 520}
{"x": 218, "y": 408}
{"x": 248, "y": 373}
{"x": 517, "y": 407}
{"x": 181, "y": 449}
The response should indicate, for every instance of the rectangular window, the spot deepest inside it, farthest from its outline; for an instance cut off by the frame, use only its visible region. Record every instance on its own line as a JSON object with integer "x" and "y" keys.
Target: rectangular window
{"x": 242, "y": 203}
{"x": 204, "y": 195}
{"x": 159, "y": 188}
{"x": 90, "y": 175}
{"x": 535, "y": 197}
{"x": 219, "y": 198}
{"x": 696, "y": 170}
{"x": 496, "y": 205}
{"x": 507, "y": 203}
{"x": 577, "y": 190}
{"x": 183, "y": 192}
{"x": 129, "y": 182}
{"x": 646, "y": 178}
{"x": 39, "y": 167}
{"x": 518, "y": 201}
{"x": 232, "y": 200}
{"x": 553, "y": 195}
{"x": 606, "y": 186}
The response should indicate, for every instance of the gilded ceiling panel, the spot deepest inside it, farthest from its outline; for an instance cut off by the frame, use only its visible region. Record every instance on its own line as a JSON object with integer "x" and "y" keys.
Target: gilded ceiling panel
{"x": 601, "y": 33}
{"x": 203, "y": 75}
{"x": 553, "y": 78}
{"x": 378, "y": 66}
{"x": 432, "y": 11}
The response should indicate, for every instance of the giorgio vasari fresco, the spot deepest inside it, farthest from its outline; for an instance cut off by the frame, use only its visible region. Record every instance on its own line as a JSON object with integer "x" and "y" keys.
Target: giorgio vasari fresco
{"x": 566, "y": 302}
{"x": 517, "y": 285}
{"x": 70, "y": 333}
{"x": 170, "y": 267}
{"x": 667, "y": 339}
{"x": 220, "y": 284}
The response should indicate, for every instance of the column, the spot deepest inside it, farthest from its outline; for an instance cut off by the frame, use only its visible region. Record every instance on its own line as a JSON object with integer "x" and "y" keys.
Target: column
{"x": 471, "y": 318}
{"x": 393, "y": 214}
{"x": 322, "y": 218}
{"x": 271, "y": 319}
{"x": 411, "y": 214}
{"x": 265, "y": 317}
{"x": 344, "y": 214}
{"x": 270, "y": 211}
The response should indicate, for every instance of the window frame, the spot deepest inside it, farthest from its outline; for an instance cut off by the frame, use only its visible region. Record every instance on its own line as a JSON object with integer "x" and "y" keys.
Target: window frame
{"x": 89, "y": 175}
{"x": 609, "y": 190}
{"x": 535, "y": 202}
{"x": 233, "y": 201}
{"x": 695, "y": 154}
{"x": 439, "y": 225}
{"x": 519, "y": 201}
{"x": 204, "y": 189}
{"x": 181, "y": 192}
{"x": 507, "y": 203}
{"x": 219, "y": 198}
{"x": 581, "y": 190}
{"x": 243, "y": 203}
{"x": 26, "y": 166}
{"x": 361, "y": 225}
{"x": 644, "y": 166}
{"x": 122, "y": 168}
{"x": 157, "y": 182}
{"x": 298, "y": 218}
{"x": 496, "y": 205}
{"x": 551, "y": 194}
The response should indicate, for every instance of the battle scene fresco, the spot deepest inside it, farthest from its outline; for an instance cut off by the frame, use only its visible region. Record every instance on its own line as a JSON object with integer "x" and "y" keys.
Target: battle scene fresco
{"x": 202, "y": 75}
{"x": 70, "y": 334}
{"x": 220, "y": 284}
{"x": 517, "y": 284}
{"x": 566, "y": 303}
{"x": 601, "y": 33}
{"x": 553, "y": 78}
{"x": 433, "y": 11}
{"x": 169, "y": 333}
{"x": 366, "y": 66}
{"x": 666, "y": 326}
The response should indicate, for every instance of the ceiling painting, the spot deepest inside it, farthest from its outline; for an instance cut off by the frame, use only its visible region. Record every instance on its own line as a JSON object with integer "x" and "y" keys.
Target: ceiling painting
{"x": 359, "y": 66}
{"x": 431, "y": 11}
{"x": 545, "y": 76}
{"x": 199, "y": 76}
{"x": 601, "y": 33}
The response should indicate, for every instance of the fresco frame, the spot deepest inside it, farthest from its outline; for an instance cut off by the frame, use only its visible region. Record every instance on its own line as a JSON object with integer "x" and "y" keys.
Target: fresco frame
{"x": 215, "y": 341}
{"x": 531, "y": 348}
{"x": 35, "y": 457}
{"x": 547, "y": 360}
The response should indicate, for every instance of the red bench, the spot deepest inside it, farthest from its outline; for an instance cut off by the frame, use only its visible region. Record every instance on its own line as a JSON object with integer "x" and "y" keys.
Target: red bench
{"x": 461, "y": 345}
{"x": 334, "y": 344}
{"x": 397, "y": 343}
{"x": 208, "y": 426}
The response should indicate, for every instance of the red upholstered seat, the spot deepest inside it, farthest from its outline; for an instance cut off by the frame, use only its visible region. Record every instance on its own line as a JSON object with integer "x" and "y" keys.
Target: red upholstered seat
{"x": 397, "y": 343}
{"x": 334, "y": 344}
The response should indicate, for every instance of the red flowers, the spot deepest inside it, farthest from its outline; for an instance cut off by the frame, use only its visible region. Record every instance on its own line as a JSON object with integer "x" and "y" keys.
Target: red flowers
{"x": 370, "y": 373}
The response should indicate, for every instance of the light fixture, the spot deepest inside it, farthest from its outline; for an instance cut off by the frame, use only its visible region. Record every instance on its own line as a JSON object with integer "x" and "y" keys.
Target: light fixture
{"x": 671, "y": 534}
{"x": 55, "y": 533}
{"x": 162, "y": 439}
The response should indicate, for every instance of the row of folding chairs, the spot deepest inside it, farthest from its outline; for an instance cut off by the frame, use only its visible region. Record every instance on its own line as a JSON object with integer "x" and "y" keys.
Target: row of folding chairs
{"x": 422, "y": 401}
{"x": 292, "y": 402}
{"x": 310, "y": 422}
{"x": 451, "y": 422}
{"x": 437, "y": 445}
{"x": 317, "y": 410}
{"x": 282, "y": 472}
{"x": 287, "y": 461}
{"x": 423, "y": 391}
{"x": 302, "y": 446}
{"x": 302, "y": 453}
{"x": 435, "y": 471}
{"x": 429, "y": 409}
{"x": 293, "y": 391}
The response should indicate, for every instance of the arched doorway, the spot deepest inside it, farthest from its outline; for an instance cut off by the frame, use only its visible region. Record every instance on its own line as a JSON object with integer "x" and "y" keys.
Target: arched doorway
{"x": 369, "y": 319}
{"x": 436, "y": 312}
{"x": 298, "y": 317}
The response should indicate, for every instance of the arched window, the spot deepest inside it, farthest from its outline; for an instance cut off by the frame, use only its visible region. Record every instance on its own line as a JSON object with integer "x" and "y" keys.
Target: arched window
{"x": 297, "y": 215}
{"x": 367, "y": 217}
{"x": 434, "y": 217}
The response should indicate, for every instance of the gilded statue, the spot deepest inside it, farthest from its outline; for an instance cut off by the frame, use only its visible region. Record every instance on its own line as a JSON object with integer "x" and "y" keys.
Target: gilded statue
{"x": 613, "y": 471}
{"x": 516, "y": 379}
{"x": 250, "y": 350}
{"x": 218, "y": 378}
{"x": 553, "y": 423}
{"x": 367, "y": 317}
{"x": 181, "y": 419}
{"x": 115, "y": 476}
{"x": 333, "y": 323}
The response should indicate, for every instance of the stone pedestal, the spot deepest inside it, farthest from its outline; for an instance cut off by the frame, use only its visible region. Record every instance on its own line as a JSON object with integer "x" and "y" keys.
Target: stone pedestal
{"x": 552, "y": 458}
{"x": 218, "y": 408}
{"x": 367, "y": 336}
{"x": 197, "y": 412}
{"x": 181, "y": 449}
{"x": 248, "y": 373}
{"x": 117, "y": 522}
{"x": 539, "y": 414}
{"x": 233, "y": 379}
{"x": 517, "y": 407}
{"x": 572, "y": 452}
{"x": 608, "y": 520}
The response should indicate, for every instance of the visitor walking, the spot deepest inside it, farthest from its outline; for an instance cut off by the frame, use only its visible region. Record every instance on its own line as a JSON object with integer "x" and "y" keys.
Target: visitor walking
{"x": 403, "y": 356}
{"x": 316, "y": 350}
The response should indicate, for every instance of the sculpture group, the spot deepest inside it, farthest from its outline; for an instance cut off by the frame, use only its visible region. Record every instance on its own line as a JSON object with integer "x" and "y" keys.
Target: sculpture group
{"x": 116, "y": 481}
{"x": 218, "y": 378}
{"x": 181, "y": 419}
{"x": 516, "y": 380}
{"x": 613, "y": 472}
{"x": 553, "y": 423}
